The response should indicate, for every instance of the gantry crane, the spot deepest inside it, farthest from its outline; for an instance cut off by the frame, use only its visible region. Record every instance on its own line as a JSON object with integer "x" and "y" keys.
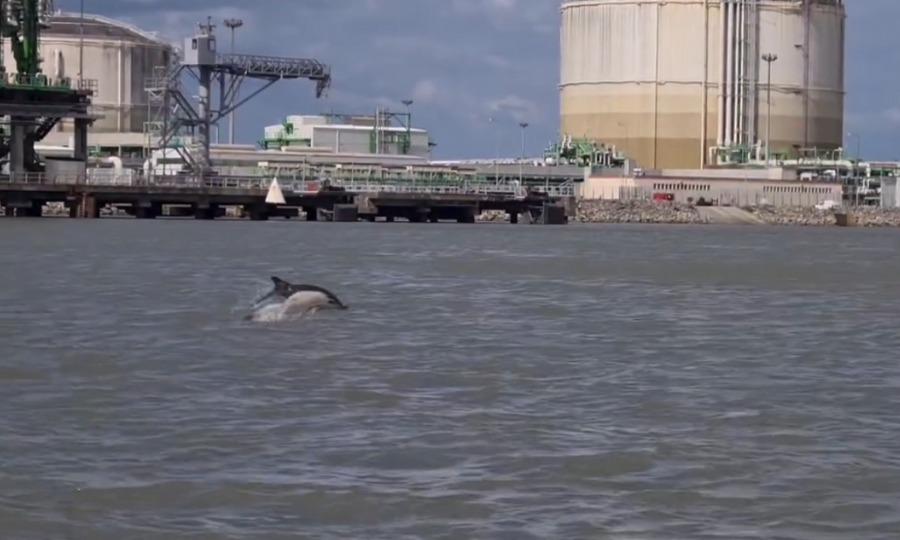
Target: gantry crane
{"x": 31, "y": 104}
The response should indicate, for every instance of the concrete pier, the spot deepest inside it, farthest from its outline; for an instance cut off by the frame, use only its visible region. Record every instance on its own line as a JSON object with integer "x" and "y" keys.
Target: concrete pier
{"x": 193, "y": 198}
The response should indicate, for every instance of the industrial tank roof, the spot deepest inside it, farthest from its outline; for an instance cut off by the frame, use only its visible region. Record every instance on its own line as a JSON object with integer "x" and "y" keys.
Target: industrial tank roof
{"x": 99, "y": 27}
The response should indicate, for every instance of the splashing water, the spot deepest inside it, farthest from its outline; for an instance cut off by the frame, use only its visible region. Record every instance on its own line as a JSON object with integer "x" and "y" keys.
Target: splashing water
{"x": 294, "y": 308}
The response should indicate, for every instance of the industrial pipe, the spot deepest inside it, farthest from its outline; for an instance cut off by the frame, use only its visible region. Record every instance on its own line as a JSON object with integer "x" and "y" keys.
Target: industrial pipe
{"x": 704, "y": 101}
{"x": 740, "y": 72}
{"x": 151, "y": 162}
{"x": 729, "y": 73}
{"x": 720, "y": 116}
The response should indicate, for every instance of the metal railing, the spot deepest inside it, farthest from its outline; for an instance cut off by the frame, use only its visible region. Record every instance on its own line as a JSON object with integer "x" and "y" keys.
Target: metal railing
{"x": 112, "y": 177}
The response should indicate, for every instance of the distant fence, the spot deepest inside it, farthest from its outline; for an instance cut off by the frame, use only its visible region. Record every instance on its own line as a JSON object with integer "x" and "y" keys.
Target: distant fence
{"x": 790, "y": 196}
{"x": 126, "y": 177}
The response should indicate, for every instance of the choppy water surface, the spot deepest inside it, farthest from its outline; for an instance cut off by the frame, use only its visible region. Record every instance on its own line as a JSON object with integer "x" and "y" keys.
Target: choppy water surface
{"x": 488, "y": 382}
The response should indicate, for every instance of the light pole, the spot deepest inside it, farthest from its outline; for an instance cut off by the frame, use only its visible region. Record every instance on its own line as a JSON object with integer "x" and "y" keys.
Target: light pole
{"x": 232, "y": 24}
{"x": 769, "y": 58}
{"x": 856, "y": 167}
{"x": 524, "y": 126}
{"x": 408, "y": 103}
{"x": 81, "y": 44}
{"x": 496, "y": 130}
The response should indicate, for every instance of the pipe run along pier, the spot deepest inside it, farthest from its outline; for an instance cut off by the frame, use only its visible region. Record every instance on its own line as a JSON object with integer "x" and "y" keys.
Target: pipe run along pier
{"x": 209, "y": 198}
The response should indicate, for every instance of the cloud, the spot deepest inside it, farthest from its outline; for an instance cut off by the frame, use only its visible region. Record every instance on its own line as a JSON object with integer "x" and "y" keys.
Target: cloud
{"x": 462, "y": 61}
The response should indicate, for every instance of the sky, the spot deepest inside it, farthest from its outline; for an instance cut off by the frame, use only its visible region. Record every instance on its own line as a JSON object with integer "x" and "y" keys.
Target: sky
{"x": 465, "y": 61}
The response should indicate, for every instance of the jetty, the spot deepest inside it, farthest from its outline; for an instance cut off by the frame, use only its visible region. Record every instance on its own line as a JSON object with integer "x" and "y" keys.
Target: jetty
{"x": 209, "y": 197}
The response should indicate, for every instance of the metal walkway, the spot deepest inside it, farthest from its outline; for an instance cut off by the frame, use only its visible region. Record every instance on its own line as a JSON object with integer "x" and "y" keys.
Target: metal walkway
{"x": 110, "y": 177}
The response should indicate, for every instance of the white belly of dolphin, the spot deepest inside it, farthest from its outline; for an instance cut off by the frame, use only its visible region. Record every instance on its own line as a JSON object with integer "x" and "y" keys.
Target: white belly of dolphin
{"x": 306, "y": 300}
{"x": 294, "y": 307}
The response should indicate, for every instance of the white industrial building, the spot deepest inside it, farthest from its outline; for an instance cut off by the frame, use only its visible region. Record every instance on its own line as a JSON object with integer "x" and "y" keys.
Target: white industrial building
{"x": 120, "y": 58}
{"x": 680, "y": 83}
{"x": 365, "y": 135}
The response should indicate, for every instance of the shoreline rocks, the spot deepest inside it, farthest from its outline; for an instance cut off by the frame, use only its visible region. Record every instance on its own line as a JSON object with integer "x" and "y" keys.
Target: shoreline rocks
{"x": 637, "y": 211}
{"x": 663, "y": 212}
{"x": 862, "y": 216}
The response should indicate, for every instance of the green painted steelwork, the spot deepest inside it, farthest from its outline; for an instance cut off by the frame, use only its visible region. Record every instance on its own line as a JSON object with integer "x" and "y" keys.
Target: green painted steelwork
{"x": 583, "y": 152}
{"x": 377, "y": 175}
{"x": 20, "y": 24}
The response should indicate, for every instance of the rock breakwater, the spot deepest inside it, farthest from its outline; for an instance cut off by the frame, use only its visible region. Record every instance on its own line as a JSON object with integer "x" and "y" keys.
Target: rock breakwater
{"x": 638, "y": 211}
{"x": 861, "y": 216}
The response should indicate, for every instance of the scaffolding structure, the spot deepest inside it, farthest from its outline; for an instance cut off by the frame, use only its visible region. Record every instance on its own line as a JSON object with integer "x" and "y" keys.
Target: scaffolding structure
{"x": 174, "y": 120}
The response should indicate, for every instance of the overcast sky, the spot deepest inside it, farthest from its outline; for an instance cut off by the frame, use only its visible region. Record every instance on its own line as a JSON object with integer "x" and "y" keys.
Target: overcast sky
{"x": 463, "y": 61}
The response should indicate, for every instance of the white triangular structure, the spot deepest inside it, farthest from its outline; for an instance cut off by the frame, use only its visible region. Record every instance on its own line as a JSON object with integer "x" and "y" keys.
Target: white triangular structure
{"x": 274, "y": 196}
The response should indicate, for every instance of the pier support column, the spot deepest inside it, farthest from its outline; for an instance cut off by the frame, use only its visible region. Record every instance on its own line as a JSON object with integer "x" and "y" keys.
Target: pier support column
{"x": 257, "y": 212}
{"x": 35, "y": 210}
{"x": 83, "y": 206}
{"x": 466, "y": 215}
{"x": 206, "y": 211}
{"x": 345, "y": 213}
{"x": 389, "y": 219}
{"x": 145, "y": 210}
{"x": 18, "y": 128}
{"x": 553, "y": 214}
{"x": 312, "y": 213}
{"x": 433, "y": 217}
{"x": 80, "y": 139}
{"x": 513, "y": 217}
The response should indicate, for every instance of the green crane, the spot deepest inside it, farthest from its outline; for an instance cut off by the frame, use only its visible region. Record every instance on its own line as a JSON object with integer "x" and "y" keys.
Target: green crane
{"x": 20, "y": 23}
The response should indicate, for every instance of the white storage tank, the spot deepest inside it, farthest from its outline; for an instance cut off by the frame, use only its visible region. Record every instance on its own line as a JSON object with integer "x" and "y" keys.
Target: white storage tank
{"x": 119, "y": 56}
{"x": 666, "y": 80}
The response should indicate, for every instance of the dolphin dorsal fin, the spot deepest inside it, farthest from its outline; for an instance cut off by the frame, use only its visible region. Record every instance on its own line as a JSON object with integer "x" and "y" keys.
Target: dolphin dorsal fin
{"x": 276, "y": 280}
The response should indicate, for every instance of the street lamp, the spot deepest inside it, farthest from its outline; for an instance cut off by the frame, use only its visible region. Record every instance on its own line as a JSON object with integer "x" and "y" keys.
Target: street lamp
{"x": 769, "y": 58}
{"x": 857, "y": 166}
{"x": 523, "y": 125}
{"x": 232, "y": 24}
{"x": 81, "y": 44}
{"x": 493, "y": 122}
{"x": 408, "y": 103}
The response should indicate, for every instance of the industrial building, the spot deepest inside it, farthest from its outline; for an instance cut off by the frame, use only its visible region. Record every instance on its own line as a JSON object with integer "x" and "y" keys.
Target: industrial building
{"x": 688, "y": 83}
{"x": 120, "y": 57}
{"x": 355, "y": 135}
{"x": 774, "y": 186}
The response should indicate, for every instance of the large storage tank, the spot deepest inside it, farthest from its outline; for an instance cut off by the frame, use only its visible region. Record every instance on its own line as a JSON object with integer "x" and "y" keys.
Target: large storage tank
{"x": 120, "y": 57}
{"x": 633, "y": 74}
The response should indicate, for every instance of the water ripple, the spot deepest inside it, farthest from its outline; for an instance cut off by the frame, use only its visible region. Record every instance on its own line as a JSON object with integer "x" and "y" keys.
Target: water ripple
{"x": 488, "y": 382}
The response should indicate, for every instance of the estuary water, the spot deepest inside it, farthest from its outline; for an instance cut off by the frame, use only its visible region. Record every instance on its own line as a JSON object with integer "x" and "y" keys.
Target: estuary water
{"x": 488, "y": 382}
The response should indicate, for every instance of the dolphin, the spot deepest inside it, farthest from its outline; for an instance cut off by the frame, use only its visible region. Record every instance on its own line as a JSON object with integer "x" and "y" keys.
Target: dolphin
{"x": 316, "y": 297}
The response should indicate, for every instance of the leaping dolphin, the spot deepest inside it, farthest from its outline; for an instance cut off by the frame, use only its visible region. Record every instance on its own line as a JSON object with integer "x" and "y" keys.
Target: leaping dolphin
{"x": 317, "y": 297}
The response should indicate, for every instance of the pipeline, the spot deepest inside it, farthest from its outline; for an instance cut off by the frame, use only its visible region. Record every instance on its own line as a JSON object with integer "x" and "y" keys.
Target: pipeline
{"x": 720, "y": 110}
{"x": 740, "y": 72}
{"x": 729, "y": 72}
{"x": 151, "y": 162}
